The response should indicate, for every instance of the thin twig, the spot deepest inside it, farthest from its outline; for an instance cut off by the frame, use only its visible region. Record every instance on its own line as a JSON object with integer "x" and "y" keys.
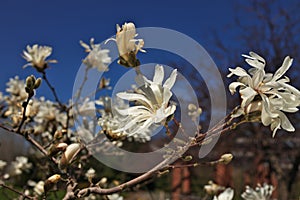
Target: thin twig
{"x": 24, "y": 117}
{"x": 77, "y": 96}
{"x": 44, "y": 76}
{"x": 16, "y": 191}
{"x": 33, "y": 142}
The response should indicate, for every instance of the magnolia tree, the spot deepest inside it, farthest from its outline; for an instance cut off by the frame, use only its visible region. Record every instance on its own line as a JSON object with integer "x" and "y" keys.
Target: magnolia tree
{"x": 148, "y": 101}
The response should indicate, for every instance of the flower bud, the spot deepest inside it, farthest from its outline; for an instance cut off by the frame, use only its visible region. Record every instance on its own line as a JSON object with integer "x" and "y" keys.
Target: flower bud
{"x": 51, "y": 182}
{"x": 54, "y": 149}
{"x": 54, "y": 178}
{"x": 29, "y": 82}
{"x": 37, "y": 83}
{"x": 226, "y": 158}
{"x": 187, "y": 158}
{"x": 69, "y": 155}
{"x": 102, "y": 182}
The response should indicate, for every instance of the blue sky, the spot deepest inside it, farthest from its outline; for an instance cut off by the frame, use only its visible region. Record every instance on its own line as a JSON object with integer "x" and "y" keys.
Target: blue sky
{"x": 61, "y": 24}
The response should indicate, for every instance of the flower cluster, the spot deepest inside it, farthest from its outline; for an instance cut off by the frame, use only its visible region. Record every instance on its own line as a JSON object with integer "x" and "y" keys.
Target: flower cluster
{"x": 132, "y": 115}
{"x": 267, "y": 93}
{"x": 259, "y": 193}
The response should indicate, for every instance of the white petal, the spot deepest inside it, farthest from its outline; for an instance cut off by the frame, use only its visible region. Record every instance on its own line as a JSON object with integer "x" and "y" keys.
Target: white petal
{"x": 171, "y": 80}
{"x": 234, "y": 85}
{"x": 258, "y": 57}
{"x": 134, "y": 97}
{"x": 255, "y": 63}
{"x": 159, "y": 74}
{"x": 226, "y": 195}
{"x": 247, "y": 94}
{"x": 257, "y": 78}
{"x": 285, "y": 122}
{"x": 238, "y": 72}
{"x": 285, "y": 66}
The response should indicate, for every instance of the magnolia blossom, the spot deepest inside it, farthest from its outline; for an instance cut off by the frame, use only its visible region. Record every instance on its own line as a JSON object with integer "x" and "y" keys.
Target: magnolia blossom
{"x": 20, "y": 164}
{"x": 110, "y": 119}
{"x": 114, "y": 197}
{"x": 17, "y": 95}
{"x": 213, "y": 188}
{"x": 91, "y": 173}
{"x": 269, "y": 93}
{"x": 128, "y": 46}
{"x": 194, "y": 112}
{"x": 151, "y": 103}
{"x": 39, "y": 188}
{"x": 97, "y": 58}
{"x": 36, "y": 57}
{"x": 16, "y": 88}
{"x": 226, "y": 195}
{"x": 260, "y": 193}
{"x": 86, "y": 108}
{"x": 48, "y": 113}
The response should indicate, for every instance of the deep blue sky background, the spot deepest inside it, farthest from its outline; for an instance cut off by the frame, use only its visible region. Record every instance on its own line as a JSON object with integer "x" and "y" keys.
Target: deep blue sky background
{"x": 61, "y": 24}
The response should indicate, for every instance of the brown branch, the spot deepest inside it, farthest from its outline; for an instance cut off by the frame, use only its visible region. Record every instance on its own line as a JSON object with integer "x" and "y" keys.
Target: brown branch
{"x": 24, "y": 117}
{"x": 44, "y": 76}
{"x": 106, "y": 191}
{"x": 16, "y": 191}
{"x": 31, "y": 141}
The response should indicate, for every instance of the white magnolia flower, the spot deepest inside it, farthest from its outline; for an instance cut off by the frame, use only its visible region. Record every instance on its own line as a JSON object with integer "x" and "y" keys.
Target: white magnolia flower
{"x": 114, "y": 197}
{"x": 48, "y": 111}
{"x": 128, "y": 46}
{"x": 86, "y": 108}
{"x": 194, "y": 112}
{"x": 213, "y": 188}
{"x": 110, "y": 120}
{"x": 260, "y": 193}
{"x": 152, "y": 103}
{"x": 271, "y": 94}
{"x": 20, "y": 164}
{"x": 16, "y": 88}
{"x": 97, "y": 58}
{"x": 39, "y": 188}
{"x": 91, "y": 173}
{"x": 226, "y": 195}
{"x": 36, "y": 57}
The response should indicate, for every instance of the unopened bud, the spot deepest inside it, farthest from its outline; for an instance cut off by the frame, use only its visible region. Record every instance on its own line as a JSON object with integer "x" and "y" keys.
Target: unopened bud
{"x": 37, "y": 83}
{"x": 54, "y": 149}
{"x": 29, "y": 82}
{"x": 54, "y": 178}
{"x": 51, "y": 182}
{"x": 226, "y": 158}
{"x": 187, "y": 158}
{"x": 102, "y": 182}
{"x": 69, "y": 155}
